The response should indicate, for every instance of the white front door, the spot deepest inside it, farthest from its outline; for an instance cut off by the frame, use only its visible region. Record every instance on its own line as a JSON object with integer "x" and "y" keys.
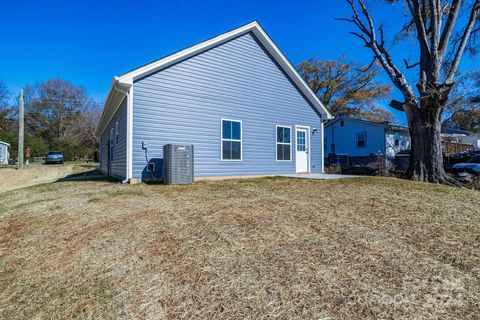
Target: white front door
{"x": 302, "y": 150}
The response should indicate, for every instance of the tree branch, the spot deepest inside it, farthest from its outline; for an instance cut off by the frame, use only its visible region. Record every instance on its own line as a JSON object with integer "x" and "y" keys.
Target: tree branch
{"x": 410, "y": 66}
{"x": 416, "y": 12}
{"x": 447, "y": 31}
{"x": 368, "y": 35}
{"x": 397, "y": 105}
{"x": 463, "y": 42}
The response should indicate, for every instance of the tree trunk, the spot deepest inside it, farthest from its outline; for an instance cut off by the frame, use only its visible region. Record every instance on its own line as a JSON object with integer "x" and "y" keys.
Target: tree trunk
{"x": 426, "y": 158}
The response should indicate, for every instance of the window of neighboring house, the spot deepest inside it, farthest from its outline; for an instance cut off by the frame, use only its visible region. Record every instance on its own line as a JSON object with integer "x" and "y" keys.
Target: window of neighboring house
{"x": 231, "y": 143}
{"x": 397, "y": 139}
{"x": 361, "y": 139}
{"x": 342, "y": 123}
{"x": 284, "y": 143}
{"x": 332, "y": 148}
{"x": 116, "y": 133}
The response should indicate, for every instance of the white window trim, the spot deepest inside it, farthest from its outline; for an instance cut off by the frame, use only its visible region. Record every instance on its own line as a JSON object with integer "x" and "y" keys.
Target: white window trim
{"x": 365, "y": 140}
{"x": 276, "y": 143}
{"x": 221, "y": 140}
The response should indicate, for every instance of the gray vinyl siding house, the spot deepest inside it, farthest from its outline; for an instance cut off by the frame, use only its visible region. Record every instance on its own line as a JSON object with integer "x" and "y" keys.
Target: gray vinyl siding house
{"x": 234, "y": 97}
{"x": 113, "y": 162}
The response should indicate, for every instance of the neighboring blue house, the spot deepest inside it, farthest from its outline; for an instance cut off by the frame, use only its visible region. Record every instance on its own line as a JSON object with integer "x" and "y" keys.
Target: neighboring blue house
{"x": 364, "y": 140}
{"x": 235, "y": 97}
{"x": 4, "y": 152}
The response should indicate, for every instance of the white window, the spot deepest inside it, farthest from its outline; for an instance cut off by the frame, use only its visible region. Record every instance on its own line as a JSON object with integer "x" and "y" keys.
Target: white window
{"x": 361, "y": 139}
{"x": 284, "y": 143}
{"x": 116, "y": 133}
{"x": 231, "y": 143}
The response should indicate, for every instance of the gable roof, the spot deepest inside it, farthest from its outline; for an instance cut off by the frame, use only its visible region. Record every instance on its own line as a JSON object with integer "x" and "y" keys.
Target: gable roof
{"x": 450, "y": 130}
{"x": 121, "y": 84}
{"x": 7, "y": 144}
{"x": 367, "y": 122}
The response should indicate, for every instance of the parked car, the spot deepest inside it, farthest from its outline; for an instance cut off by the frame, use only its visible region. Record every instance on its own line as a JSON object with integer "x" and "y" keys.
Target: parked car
{"x": 54, "y": 157}
{"x": 472, "y": 165}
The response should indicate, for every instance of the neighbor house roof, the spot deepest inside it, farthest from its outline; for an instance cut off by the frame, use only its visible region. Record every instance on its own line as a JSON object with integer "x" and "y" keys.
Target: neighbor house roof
{"x": 367, "y": 122}
{"x": 121, "y": 84}
{"x": 456, "y": 131}
{"x": 7, "y": 144}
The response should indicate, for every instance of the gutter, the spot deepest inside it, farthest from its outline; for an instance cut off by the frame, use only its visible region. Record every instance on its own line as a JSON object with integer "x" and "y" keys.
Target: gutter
{"x": 127, "y": 94}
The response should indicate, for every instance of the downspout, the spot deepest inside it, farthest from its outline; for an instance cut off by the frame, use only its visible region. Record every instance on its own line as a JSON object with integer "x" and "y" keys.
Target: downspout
{"x": 127, "y": 95}
{"x": 322, "y": 134}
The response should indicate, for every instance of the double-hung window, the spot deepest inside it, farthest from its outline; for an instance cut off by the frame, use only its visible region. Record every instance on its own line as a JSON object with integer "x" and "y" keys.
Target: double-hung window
{"x": 361, "y": 139}
{"x": 284, "y": 143}
{"x": 231, "y": 140}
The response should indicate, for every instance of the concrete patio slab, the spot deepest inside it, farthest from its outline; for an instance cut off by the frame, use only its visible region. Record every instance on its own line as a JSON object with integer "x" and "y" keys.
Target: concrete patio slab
{"x": 319, "y": 176}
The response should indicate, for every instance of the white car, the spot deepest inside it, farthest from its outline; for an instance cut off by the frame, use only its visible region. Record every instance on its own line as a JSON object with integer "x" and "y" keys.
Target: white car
{"x": 471, "y": 165}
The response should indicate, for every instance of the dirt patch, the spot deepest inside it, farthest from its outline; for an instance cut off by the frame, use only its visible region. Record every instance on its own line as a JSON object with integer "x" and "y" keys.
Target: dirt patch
{"x": 12, "y": 179}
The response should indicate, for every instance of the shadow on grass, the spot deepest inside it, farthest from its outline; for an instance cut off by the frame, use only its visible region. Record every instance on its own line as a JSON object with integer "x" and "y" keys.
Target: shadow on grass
{"x": 92, "y": 175}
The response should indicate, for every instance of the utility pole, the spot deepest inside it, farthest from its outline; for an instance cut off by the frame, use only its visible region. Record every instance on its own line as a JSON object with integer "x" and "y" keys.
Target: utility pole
{"x": 20, "y": 132}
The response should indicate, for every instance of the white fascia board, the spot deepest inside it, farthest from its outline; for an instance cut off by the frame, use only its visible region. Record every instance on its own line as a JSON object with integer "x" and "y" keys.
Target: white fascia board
{"x": 290, "y": 70}
{"x": 184, "y": 54}
{"x": 104, "y": 109}
{"x": 262, "y": 36}
{"x": 108, "y": 108}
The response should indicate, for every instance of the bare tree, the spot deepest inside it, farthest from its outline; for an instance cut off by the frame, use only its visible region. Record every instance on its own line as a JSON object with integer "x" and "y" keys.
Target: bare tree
{"x": 433, "y": 22}
{"x": 63, "y": 116}
{"x": 347, "y": 88}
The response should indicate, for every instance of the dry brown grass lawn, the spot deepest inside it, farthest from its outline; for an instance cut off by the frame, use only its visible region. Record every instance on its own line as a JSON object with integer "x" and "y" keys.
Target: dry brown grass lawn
{"x": 370, "y": 248}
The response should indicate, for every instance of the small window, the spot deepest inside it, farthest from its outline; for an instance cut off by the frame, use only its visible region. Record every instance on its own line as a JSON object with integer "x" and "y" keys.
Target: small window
{"x": 342, "y": 123}
{"x": 361, "y": 140}
{"x": 301, "y": 141}
{"x": 284, "y": 143}
{"x": 332, "y": 148}
{"x": 231, "y": 143}
{"x": 397, "y": 139}
{"x": 116, "y": 133}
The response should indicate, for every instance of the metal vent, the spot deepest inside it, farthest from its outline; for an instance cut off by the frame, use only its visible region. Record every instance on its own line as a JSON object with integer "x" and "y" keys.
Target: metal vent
{"x": 177, "y": 163}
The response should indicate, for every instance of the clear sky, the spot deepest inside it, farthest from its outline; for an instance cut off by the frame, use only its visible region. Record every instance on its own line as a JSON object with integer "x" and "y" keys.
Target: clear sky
{"x": 88, "y": 42}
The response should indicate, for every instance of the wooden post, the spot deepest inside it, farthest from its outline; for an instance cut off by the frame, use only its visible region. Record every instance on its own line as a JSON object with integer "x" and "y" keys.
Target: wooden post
{"x": 20, "y": 132}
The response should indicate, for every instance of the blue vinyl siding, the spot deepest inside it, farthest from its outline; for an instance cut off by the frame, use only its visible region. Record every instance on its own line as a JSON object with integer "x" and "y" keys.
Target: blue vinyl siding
{"x": 237, "y": 80}
{"x": 345, "y": 138}
{"x": 119, "y": 150}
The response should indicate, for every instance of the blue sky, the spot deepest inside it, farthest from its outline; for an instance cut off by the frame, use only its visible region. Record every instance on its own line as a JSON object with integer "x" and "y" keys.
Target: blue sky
{"x": 88, "y": 42}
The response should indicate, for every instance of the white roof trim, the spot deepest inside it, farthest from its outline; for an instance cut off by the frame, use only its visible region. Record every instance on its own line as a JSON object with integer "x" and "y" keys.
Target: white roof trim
{"x": 7, "y": 144}
{"x": 262, "y": 36}
{"x": 254, "y": 27}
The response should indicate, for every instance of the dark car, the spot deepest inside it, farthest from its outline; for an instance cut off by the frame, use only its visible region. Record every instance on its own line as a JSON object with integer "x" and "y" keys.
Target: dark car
{"x": 54, "y": 157}
{"x": 471, "y": 166}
